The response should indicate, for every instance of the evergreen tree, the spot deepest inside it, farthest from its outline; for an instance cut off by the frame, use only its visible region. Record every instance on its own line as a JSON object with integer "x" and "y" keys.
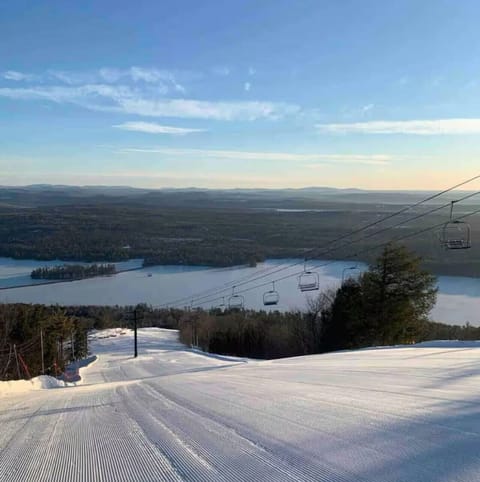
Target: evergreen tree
{"x": 397, "y": 297}
{"x": 343, "y": 321}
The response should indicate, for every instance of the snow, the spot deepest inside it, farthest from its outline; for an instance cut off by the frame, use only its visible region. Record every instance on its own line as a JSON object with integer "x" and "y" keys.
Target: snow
{"x": 400, "y": 414}
{"x": 38, "y": 383}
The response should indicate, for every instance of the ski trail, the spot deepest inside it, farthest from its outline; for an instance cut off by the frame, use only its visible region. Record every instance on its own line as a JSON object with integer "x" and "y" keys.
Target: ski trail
{"x": 392, "y": 415}
{"x": 215, "y": 446}
{"x": 100, "y": 443}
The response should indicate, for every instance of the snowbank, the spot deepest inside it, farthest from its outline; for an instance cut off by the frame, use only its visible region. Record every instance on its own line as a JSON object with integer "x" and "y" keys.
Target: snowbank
{"x": 73, "y": 372}
{"x": 38, "y": 383}
{"x": 72, "y": 377}
{"x": 232, "y": 358}
{"x": 449, "y": 344}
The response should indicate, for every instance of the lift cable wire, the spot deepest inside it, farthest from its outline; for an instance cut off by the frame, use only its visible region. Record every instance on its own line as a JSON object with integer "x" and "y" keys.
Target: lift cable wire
{"x": 366, "y": 250}
{"x": 254, "y": 276}
{"x": 209, "y": 291}
{"x": 344, "y": 245}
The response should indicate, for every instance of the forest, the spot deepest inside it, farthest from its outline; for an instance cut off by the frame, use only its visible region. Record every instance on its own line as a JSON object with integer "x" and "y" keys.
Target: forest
{"x": 215, "y": 229}
{"x": 73, "y": 271}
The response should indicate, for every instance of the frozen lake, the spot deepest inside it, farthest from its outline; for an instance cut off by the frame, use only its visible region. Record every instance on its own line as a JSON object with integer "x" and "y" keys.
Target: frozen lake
{"x": 458, "y": 299}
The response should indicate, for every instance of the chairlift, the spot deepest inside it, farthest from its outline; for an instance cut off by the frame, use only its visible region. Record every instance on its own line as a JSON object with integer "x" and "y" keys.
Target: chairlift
{"x": 271, "y": 297}
{"x": 456, "y": 234}
{"x": 236, "y": 302}
{"x": 353, "y": 273}
{"x": 308, "y": 280}
{"x": 222, "y": 306}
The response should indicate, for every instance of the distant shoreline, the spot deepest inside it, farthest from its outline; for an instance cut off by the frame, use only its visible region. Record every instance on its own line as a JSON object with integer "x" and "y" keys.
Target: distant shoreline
{"x": 54, "y": 282}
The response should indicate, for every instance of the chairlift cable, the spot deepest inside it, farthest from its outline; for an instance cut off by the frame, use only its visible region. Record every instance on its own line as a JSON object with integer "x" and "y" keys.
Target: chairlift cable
{"x": 344, "y": 245}
{"x": 255, "y": 276}
{"x": 401, "y": 238}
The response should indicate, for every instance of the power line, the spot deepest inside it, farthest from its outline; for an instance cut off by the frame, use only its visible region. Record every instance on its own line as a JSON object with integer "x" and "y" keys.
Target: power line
{"x": 255, "y": 276}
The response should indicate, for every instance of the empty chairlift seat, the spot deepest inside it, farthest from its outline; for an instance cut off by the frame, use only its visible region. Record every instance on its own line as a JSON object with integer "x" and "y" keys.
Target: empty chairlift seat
{"x": 456, "y": 234}
{"x": 352, "y": 273}
{"x": 271, "y": 297}
{"x": 308, "y": 280}
{"x": 222, "y": 306}
{"x": 236, "y": 301}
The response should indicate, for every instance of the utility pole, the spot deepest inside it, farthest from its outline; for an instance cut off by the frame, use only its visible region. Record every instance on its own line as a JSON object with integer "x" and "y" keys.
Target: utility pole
{"x": 41, "y": 349}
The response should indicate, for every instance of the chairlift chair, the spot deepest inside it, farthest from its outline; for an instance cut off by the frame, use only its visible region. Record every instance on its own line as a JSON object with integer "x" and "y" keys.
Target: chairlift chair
{"x": 236, "y": 301}
{"x": 271, "y": 297}
{"x": 222, "y": 306}
{"x": 456, "y": 234}
{"x": 308, "y": 280}
{"x": 350, "y": 273}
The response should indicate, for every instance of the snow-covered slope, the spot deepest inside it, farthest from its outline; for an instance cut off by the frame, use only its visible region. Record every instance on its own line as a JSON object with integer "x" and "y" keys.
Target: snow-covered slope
{"x": 409, "y": 414}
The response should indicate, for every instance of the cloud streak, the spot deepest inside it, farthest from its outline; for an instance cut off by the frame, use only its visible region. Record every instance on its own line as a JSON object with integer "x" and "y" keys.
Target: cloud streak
{"x": 415, "y": 127}
{"x": 17, "y": 76}
{"x": 222, "y": 70}
{"x": 152, "y": 128}
{"x": 128, "y": 100}
{"x": 366, "y": 159}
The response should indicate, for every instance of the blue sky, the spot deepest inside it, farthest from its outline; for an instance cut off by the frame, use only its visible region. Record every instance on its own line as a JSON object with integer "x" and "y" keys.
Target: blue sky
{"x": 371, "y": 94}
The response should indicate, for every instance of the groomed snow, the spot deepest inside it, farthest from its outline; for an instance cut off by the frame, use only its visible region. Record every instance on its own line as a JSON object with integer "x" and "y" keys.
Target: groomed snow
{"x": 402, "y": 414}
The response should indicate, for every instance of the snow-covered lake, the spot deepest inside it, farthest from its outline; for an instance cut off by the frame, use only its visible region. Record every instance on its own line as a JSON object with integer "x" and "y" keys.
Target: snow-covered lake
{"x": 458, "y": 300}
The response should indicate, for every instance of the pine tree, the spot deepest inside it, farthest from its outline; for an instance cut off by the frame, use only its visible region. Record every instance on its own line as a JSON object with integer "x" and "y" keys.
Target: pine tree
{"x": 397, "y": 296}
{"x": 343, "y": 321}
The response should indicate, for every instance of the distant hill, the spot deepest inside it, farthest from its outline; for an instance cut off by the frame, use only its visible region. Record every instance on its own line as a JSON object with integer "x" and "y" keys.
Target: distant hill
{"x": 304, "y": 198}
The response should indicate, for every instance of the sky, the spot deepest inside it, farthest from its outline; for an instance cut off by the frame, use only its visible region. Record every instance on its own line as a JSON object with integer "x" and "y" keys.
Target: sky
{"x": 263, "y": 93}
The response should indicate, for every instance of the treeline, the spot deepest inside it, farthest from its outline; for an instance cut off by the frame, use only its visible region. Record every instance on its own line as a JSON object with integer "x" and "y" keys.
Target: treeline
{"x": 266, "y": 335}
{"x": 28, "y": 331}
{"x": 205, "y": 254}
{"x": 73, "y": 271}
{"x": 63, "y": 331}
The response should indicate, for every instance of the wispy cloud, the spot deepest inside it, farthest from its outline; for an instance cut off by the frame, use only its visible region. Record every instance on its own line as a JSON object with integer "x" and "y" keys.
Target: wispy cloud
{"x": 222, "y": 70}
{"x": 416, "y": 127}
{"x": 251, "y": 71}
{"x": 14, "y": 75}
{"x": 142, "y": 74}
{"x": 367, "y": 108}
{"x": 368, "y": 159}
{"x": 112, "y": 75}
{"x": 148, "y": 92}
{"x": 149, "y": 103}
{"x": 152, "y": 128}
{"x": 161, "y": 79}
